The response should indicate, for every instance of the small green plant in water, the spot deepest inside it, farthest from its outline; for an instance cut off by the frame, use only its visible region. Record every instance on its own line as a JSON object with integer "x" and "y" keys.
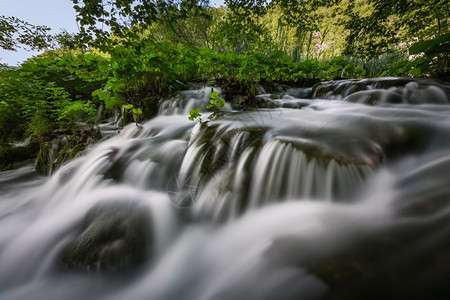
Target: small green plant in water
{"x": 215, "y": 104}
{"x": 136, "y": 112}
{"x": 195, "y": 114}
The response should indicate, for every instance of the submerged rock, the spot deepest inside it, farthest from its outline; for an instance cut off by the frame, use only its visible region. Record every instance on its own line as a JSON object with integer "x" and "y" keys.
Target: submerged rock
{"x": 114, "y": 236}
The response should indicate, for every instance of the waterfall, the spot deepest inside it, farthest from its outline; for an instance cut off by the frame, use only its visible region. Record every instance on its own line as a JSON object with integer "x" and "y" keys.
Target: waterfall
{"x": 340, "y": 194}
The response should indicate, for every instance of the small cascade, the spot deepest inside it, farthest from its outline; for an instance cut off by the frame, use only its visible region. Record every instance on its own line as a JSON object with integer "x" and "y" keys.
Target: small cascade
{"x": 145, "y": 157}
{"x": 53, "y": 149}
{"x": 283, "y": 172}
{"x": 240, "y": 171}
{"x": 289, "y": 98}
{"x": 385, "y": 91}
{"x": 260, "y": 90}
{"x": 23, "y": 143}
{"x": 183, "y": 102}
{"x": 297, "y": 93}
{"x": 111, "y": 125}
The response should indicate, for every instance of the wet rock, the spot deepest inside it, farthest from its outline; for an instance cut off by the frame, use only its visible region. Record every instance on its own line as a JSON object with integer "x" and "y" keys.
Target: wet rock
{"x": 337, "y": 88}
{"x": 425, "y": 191}
{"x": 114, "y": 236}
{"x": 385, "y": 90}
{"x": 402, "y": 261}
{"x": 374, "y": 97}
{"x": 407, "y": 258}
{"x": 58, "y": 149}
{"x": 11, "y": 156}
{"x": 43, "y": 158}
{"x": 76, "y": 145}
{"x": 298, "y": 93}
{"x": 219, "y": 144}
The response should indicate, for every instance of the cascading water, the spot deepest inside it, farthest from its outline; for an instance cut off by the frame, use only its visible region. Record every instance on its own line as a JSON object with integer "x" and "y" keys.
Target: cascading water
{"x": 313, "y": 199}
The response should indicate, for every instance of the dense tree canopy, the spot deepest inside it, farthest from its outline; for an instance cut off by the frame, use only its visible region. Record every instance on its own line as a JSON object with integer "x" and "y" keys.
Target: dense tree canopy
{"x": 391, "y": 23}
{"x": 99, "y": 19}
{"x": 362, "y": 28}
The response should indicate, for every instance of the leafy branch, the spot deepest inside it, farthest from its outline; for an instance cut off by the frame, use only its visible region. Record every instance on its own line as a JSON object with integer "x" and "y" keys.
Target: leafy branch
{"x": 15, "y": 32}
{"x": 215, "y": 104}
{"x": 137, "y": 112}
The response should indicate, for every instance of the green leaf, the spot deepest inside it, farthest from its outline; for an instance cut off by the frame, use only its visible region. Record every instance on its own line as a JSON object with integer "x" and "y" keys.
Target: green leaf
{"x": 214, "y": 95}
{"x": 420, "y": 47}
{"x": 195, "y": 114}
{"x": 137, "y": 111}
{"x": 437, "y": 45}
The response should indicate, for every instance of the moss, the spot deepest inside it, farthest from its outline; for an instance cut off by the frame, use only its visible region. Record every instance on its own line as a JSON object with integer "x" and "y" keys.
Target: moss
{"x": 76, "y": 145}
{"x": 42, "y": 161}
{"x": 75, "y": 150}
{"x": 10, "y": 156}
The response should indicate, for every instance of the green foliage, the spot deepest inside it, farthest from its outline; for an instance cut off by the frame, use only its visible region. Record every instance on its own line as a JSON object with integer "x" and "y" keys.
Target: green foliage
{"x": 194, "y": 114}
{"x": 436, "y": 55}
{"x": 215, "y": 104}
{"x": 439, "y": 44}
{"x": 110, "y": 94}
{"x": 48, "y": 92}
{"x": 72, "y": 113}
{"x": 143, "y": 69}
{"x": 118, "y": 16}
{"x": 389, "y": 24}
{"x": 15, "y": 33}
{"x": 249, "y": 69}
{"x": 316, "y": 29}
{"x": 136, "y": 111}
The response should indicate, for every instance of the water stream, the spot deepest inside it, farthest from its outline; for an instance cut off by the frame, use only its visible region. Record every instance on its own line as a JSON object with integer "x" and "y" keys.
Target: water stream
{"x": 340, "y": 194}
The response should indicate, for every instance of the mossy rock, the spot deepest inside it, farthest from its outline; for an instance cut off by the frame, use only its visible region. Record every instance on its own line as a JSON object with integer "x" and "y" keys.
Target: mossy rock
{"x": 218, "y": 145}
{"x": 76, "y": 145}
{"x": 11, "y": 156}
{"x": 42, "y": 161}
{"x": 114, "y": 236}
{"x": 66, "y": 151}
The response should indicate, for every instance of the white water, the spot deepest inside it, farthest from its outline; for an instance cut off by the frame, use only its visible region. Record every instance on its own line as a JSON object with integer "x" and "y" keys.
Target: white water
{"x": 336, "y": 200}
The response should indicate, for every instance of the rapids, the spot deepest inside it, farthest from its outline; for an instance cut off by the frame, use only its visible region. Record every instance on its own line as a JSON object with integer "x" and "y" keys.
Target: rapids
{"x": 341, "y": 192}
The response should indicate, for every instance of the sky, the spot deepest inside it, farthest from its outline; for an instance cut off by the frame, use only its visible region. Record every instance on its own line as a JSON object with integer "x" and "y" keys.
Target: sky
{"x": 56, "y": 14}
